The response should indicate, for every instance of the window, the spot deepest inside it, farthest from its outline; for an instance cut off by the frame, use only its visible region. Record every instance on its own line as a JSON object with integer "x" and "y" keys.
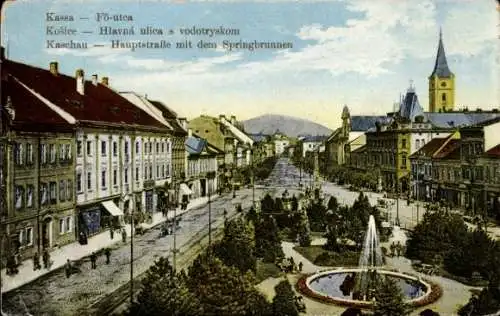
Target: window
{"x": 103, "y": 148}
{"x": 29, "y": 196}
{"x": 69, "y": 224}
{"x": 163, "y": 171}
{"x": 443, "y": 97}
{"x": 89, "y": 181}
{"x": 125, "y": 147}
{"x": 137, "y": 174}
{"x": 403, "y": 162}
{"x": 43, "y": 193}
{"x": 150, "y": 172}
{"x": 69, "y": 190}
{"x": 43, "y": 153}
{"x": 62, "y": 190}
{"x": 62, "y": 223}
{"x": 103, "y": 179}
{"x": 29, "y": 153}
{"x": 403, "y": 143}
{"x": 19, "y": 196}
{"x": 26, "y": 236}
{"x": 67, "y": 149}
{"x": 157, "y": 148}
{"x": 162, "y": 147}
{"x": 53, "y": 192}
{"x": 115, "y": 149}
{"x": 137, "y": 147}
{"x": 79, "y": 148}
{"x": 145, "y": 172}
{"x": 79, "y": 182}
{"x": 62, "y": 154}
{"x": 417, "y": 143}
{"x": 52, "y": 151}
{"x": 125, "y": 171}
{"x": 150, "y": 147}
{"x": 89, "y": 148}
{"x": 18, "y": 154}
{"x": 145, "y": 147}
{"x": 157, "y": 171}
{"x": 115, "y": 177}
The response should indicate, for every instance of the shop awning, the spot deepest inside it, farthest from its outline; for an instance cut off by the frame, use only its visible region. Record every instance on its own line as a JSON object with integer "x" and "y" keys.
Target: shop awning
{"x": 185, "y": 189}
{"x": 111, "y": 207}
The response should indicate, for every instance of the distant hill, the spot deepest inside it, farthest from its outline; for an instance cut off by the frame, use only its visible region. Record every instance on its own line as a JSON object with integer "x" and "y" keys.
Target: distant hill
{"x": 288, "y": 125}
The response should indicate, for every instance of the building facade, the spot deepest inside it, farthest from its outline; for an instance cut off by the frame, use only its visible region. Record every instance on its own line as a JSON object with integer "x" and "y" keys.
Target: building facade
{"x": 441, "y": 83}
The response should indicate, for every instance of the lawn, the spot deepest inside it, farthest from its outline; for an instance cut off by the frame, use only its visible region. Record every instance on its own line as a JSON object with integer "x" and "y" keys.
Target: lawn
{"x": 322, "y": 257}
{"x": 267, "y": 270}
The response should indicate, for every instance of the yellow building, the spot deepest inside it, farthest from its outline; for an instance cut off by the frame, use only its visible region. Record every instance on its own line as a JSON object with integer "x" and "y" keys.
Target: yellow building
{"x": 441, "y": 83}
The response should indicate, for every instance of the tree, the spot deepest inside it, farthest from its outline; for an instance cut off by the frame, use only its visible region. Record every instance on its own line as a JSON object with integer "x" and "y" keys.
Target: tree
{"x": 284, "y": 300}
{"x": 333, "y": 204}
{"x": 223, "y": 290}
{"x": 487, "y": 302}
{"x": 237, "y": 247}
{"x": 438, "y": 233}
{"x": 164, "y": 293}
{"x": 267, "y": 240}
{"x": 389, "y": 300}
{"x": 267, "y": 204}
{"x": 331, "y": 240}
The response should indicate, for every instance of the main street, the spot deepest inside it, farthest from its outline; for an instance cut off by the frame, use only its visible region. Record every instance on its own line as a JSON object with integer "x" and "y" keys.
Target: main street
{"x": 54, "y": 294}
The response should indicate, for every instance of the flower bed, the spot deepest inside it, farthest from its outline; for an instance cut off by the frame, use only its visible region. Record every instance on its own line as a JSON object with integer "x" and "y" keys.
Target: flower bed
{"x": 435, "y": 293}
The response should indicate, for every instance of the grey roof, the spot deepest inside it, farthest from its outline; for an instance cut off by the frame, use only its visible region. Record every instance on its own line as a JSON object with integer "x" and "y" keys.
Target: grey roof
{"x": 441, "y": 66}
{"x": 195, "y": 145}
{"x": 410, "y": 107}
{"x": 317, "y": 139}
{"x": 258, "y": 137}
{"x": 360, "y": 123}
{"x": 458, "y": 119}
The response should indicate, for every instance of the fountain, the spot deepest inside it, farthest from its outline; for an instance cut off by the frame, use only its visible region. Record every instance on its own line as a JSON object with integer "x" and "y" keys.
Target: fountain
{"x": 357, "y": 286}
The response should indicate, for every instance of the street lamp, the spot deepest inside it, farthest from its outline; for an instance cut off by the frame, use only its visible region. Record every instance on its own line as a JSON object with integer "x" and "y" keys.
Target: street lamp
{"x": 132, "y": 230}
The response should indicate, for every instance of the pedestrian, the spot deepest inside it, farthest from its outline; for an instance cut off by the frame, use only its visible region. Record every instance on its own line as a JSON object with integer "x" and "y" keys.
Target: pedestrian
{"x": 46, "y": 258}
{"x": 93, "y": 259}
{"x": 107, "y": 252}
{"x": 393, "y": 249}
{"x": 300, "y": 266}
{"x": 36, "y": 262}
{"x": 112, "y": 232}
{"x": 11, "y": 265}
{"x": 67, "y": 268}
{"x": 124, "y": 235}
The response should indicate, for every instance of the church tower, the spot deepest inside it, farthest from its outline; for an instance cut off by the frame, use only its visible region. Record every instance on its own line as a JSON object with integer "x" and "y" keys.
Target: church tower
{"x": 441, "y": 83}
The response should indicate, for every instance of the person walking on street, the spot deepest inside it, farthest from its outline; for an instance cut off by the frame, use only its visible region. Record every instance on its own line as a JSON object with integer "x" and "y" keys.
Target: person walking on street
{"x": 300, "y": 266}
{"x": 112, "y": 232}
{"x": 67, "y": 268}
{"x": 93, "y": 259}
{"x": 46, "y": 258}
{"x": 124, "y": 235}
{"x": 36, "y": 262}
{"x": 107, "y": 252}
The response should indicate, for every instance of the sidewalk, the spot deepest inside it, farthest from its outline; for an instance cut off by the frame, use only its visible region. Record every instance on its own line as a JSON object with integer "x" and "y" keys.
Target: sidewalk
{"x": 75, "y": 251}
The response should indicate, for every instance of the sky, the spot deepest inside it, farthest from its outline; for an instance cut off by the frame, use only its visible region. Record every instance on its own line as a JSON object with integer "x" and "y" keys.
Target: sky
{"x": 359, "y": 53}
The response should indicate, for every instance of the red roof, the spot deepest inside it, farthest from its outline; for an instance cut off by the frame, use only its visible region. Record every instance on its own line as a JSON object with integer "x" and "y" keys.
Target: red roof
{"x": 494, "y": 152}
{"x": 98, "y": 104}
{"x": 430, "y": 148}
{"x": 450, "y": 151}
{"x": 28, "y": 109}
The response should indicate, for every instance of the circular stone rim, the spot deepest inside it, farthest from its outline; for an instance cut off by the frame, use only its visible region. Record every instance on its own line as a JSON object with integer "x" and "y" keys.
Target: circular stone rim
{"x": 426, "y": 299}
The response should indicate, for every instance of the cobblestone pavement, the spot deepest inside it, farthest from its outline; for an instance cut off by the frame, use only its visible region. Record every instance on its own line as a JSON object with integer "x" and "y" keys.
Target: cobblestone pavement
{"x": 54, "y": 294}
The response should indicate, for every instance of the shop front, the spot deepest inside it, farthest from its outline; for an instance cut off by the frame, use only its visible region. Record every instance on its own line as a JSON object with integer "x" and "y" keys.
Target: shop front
{"x": 98, "y": 217}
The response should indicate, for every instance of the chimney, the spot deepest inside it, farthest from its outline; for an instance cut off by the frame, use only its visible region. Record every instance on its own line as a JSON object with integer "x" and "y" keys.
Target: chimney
{"x": 80, "y": 81}
{"x": 233, "y": 119}
{"x": 105, "y": 81}
{"x": 54, "y": 68}
{"x": 222, "y": 117}
{"x": 183, "y": 122}
{"x": 94, "y": 79}
{"x": 190, "y": 132}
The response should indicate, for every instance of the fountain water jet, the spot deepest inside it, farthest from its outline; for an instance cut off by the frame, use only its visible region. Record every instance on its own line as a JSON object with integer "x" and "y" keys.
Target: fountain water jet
{"x": 357, "y": 286}
{"x": 370, "y": 259}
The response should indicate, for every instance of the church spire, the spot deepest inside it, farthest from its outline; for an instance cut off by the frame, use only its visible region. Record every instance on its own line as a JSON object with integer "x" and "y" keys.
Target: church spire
{"x": 441, "y": 66}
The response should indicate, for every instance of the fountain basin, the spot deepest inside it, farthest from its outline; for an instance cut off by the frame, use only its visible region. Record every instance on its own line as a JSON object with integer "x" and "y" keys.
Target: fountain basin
{"x": 324, "y": 286}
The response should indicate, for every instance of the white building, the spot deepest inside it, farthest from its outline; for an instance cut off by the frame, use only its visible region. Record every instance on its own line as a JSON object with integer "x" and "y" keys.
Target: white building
{"x": 312, "y": 143}
{"x": 243, "y": 142}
